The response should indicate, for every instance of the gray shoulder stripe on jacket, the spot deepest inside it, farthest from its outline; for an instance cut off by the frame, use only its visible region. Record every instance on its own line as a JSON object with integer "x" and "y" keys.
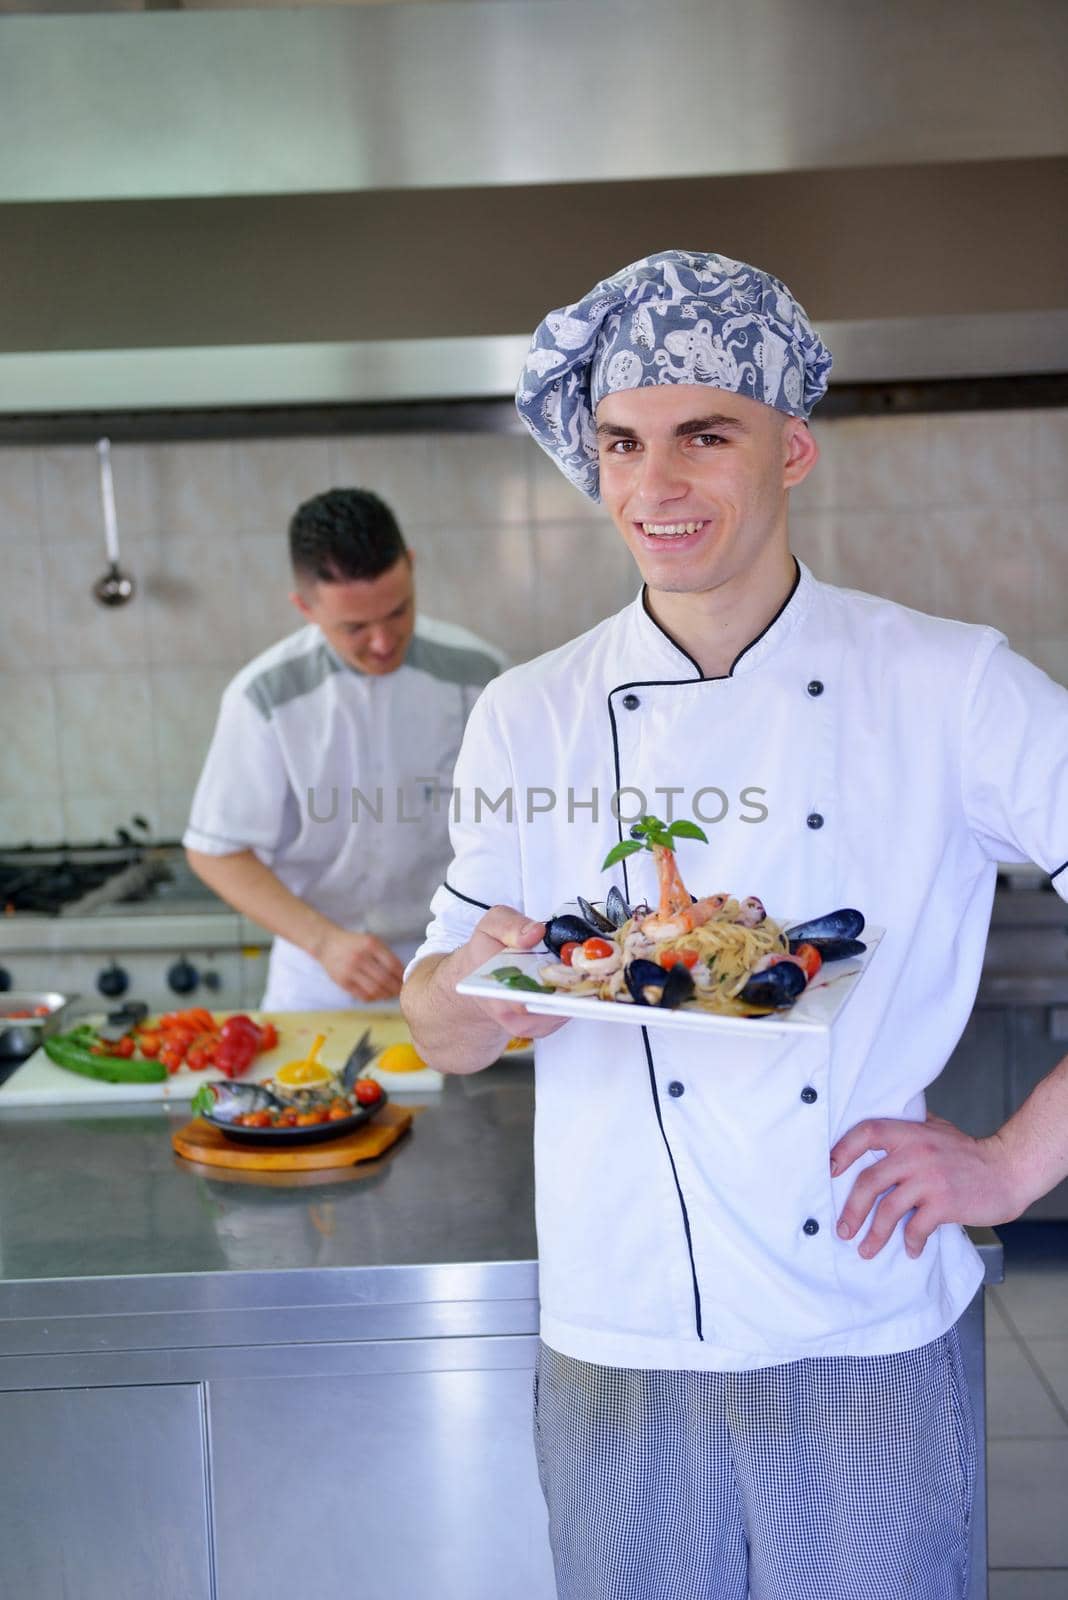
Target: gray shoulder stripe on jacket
{"x": 451, "y": 663}
{"x": 290, "y": 679}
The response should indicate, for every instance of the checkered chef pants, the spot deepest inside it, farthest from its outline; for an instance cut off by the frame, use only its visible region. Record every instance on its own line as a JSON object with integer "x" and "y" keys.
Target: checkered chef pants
{"x": 838, "y": 1478}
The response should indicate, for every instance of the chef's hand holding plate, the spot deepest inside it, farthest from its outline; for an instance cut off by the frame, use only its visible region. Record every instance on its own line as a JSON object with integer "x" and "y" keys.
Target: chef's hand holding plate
{"x": 502, "y": 929}
{"x": 361, "y": 964}
{"x": 930, "y": 1173}
{"x": 464, "y": 1033}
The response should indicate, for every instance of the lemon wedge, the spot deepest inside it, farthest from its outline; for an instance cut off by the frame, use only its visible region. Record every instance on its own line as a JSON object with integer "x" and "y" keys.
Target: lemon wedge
{"x": 308, "y": 1073}
{"x": 400, "y": 1058}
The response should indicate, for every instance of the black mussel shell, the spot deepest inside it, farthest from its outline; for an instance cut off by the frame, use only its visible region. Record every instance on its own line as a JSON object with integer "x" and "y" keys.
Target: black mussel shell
{"x": 671, "y": 989}
{"x": 568, "y": 929}
{"x": 641, "y": 975}
{"x": 616, "y": 908}
{"x": 831, "y": 949}
{"x": 597, "y": 918}
{"x": 678, "y": 988}
{"x": 776, "y": 986}
{"x": 844, "y": 924}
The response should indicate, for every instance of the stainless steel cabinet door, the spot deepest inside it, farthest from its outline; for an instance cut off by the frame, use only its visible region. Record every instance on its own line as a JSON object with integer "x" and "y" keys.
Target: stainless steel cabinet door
{"x": 384, "y": 1486}
{"x": 104, "y": 1494}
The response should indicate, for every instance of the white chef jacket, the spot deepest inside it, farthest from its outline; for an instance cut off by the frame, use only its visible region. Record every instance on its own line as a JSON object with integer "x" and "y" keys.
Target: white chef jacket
{"x": 339, "y": 782}
{"x": 857, "y": 754}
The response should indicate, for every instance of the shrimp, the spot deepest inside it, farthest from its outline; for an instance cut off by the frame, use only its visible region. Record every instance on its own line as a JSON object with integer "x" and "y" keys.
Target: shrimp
{"x": 677, "y": 914}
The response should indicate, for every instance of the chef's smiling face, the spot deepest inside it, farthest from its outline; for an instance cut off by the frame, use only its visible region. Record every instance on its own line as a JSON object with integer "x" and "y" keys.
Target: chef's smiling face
{"x": 695, "y": 480}
{"x": 369, "y": 621}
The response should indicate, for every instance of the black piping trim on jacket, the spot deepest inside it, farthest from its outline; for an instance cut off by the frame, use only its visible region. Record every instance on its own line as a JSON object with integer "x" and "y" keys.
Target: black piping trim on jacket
{"x": 1063, "y": 867}
{"x": 741, "y": 653}
{"x": 669, "y": 683}
{"x": 678, "y": 1186}
{"x": 480, "y": 903}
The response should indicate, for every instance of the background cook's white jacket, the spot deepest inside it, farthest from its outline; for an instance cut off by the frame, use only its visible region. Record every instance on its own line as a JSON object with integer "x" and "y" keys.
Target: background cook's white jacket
{"x": 299, "y": 730}
{"x": 671, "y": 1225}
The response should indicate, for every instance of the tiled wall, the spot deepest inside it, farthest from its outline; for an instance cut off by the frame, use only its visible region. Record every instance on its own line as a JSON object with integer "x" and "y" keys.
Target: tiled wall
{"x": 107, "y": 713}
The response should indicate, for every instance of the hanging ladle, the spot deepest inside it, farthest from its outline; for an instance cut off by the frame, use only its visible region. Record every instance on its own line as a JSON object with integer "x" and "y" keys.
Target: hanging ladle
{"x": 116, "y": 586}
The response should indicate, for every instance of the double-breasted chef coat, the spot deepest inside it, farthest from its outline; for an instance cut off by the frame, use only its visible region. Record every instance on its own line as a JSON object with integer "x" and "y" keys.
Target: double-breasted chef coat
{"x": 339, "y": 781}
{"x": 857, "y": 754}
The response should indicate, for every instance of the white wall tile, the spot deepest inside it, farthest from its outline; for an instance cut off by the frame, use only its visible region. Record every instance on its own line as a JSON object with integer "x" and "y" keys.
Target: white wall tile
{"x": 1050, "y": 566}
{"x": 29, "y": 734}
{"x": 988, "y": 567}
{"x": 106, "y": 741}
{"x": 1050, "y": 429}
{"x": 188, "y": 489}
{"x": 185, "y": 706}
{"x": 811, "y": 542}
{"x": 68, "y": 480}
{"x": 82, "y": 632}
{"x": 32, "y": 818}
{"x": 273, "y": 477}
{"x": 583, "y": 573}
{"x": 399, "y": 468}
{"x": 482, "y": 578}
{"x": 483, "y": 480}
{"x": 193, "y": 599}
{"x": 889, "y": 553}
{"x": 266, "y": 612}
{"x": 982, "y": 458}
{"x": 25, "y": 640}
{"x": 91, "y": 817}
{"x": 19, "y": 518}
{"x": 554, "y": 497}
{"x": 876, "y": 463}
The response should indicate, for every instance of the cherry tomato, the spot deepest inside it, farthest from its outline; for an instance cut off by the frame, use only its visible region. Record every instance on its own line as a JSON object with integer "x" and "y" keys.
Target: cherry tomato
{"x": 597, "y": 949}
{"x": 258, "y": 1119}
{"x": 268, "y": 1036}
{"x": 170, "y": 1057}
{"x": 672, "y": 958}
{"x": 338, "y": 1113}
{"x": 367, "y": 1091}
{"x": 149, "y": 1042}
{"x": 568, "y": 950}
{"x": 809, "y": 958}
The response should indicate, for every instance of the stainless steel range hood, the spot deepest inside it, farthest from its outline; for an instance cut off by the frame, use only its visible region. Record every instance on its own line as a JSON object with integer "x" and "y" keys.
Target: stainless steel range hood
{"x": 377, "y": 202}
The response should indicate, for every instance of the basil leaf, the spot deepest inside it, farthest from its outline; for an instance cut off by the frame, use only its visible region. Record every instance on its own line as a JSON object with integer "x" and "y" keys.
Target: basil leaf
{"x": 521, "y": 981}
{"x": 627, "y": 847}
{"x": 502, "y": 974}
{"x": 688, "y": 830}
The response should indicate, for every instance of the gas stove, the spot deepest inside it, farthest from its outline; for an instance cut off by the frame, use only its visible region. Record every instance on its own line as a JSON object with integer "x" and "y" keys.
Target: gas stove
{"x": 124, "y": 919}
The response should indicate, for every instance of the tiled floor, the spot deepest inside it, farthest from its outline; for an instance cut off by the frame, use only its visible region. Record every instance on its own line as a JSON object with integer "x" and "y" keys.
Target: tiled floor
{"x": 1027, "y": 1415}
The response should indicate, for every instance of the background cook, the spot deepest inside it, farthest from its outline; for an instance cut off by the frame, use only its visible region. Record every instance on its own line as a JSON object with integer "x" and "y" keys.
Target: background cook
{"x": 750, "y": 1257}
{"x": 322, "y": 809}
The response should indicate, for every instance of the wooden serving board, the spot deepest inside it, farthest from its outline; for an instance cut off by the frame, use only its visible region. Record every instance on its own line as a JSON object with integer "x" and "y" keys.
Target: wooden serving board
{"x": 199, "y": 1141}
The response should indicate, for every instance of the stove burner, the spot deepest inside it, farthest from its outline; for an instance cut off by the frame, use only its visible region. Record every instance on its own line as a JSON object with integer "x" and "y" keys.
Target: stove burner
{"x": 47, "y": 882}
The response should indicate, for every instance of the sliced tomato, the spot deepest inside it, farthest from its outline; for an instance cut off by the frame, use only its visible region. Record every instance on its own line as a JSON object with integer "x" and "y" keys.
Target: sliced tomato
{"x": 597, "y": 949}
{"x": 672, "y": 958}
{"x": 268, "y": 1035}
{"x": 810, "y": 959}
{"x": 568, "y": 950}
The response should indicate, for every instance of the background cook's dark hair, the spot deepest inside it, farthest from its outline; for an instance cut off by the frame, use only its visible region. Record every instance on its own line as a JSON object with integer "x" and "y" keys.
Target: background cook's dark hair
{"x": 344, "y": 534}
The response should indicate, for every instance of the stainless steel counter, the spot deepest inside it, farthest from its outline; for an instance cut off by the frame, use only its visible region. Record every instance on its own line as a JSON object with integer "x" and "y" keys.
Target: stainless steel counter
{"x": 293, "y": 1380}
{"x": 92, "y": 1194}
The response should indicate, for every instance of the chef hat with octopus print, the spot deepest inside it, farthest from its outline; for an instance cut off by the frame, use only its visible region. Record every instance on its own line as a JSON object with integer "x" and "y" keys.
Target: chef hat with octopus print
{"x": 682, "y": 316}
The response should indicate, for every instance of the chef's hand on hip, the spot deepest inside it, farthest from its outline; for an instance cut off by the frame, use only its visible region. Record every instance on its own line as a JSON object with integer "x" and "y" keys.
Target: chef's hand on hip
{"x": 930, "y": 1172}
{"x": 501, "y": 929}
{"x": 361, "y": 965}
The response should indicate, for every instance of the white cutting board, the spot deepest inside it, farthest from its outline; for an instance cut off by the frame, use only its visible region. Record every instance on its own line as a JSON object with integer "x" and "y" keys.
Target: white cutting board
{"x": 39, "y": 1082}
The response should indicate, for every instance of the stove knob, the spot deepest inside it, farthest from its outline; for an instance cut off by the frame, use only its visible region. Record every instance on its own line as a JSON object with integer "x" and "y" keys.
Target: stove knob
{"x": 113, "y": 981}
{"x": 5, "y": 980}
{"x": 183, "y": 977}
{"x": 212, "y": 981}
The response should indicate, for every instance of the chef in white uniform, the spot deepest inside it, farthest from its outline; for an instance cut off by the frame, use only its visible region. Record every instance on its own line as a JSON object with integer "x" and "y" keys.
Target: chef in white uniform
{"x": 749, "y": 1379}
{"x": 322, "y": 809}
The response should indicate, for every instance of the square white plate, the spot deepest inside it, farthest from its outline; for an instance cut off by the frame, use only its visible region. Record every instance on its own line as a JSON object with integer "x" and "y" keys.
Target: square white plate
{"x": 815, "y": 1011}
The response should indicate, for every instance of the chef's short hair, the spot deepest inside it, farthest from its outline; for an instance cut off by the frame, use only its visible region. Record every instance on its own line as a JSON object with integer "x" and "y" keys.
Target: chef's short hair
{"x": 344, "y": 534}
